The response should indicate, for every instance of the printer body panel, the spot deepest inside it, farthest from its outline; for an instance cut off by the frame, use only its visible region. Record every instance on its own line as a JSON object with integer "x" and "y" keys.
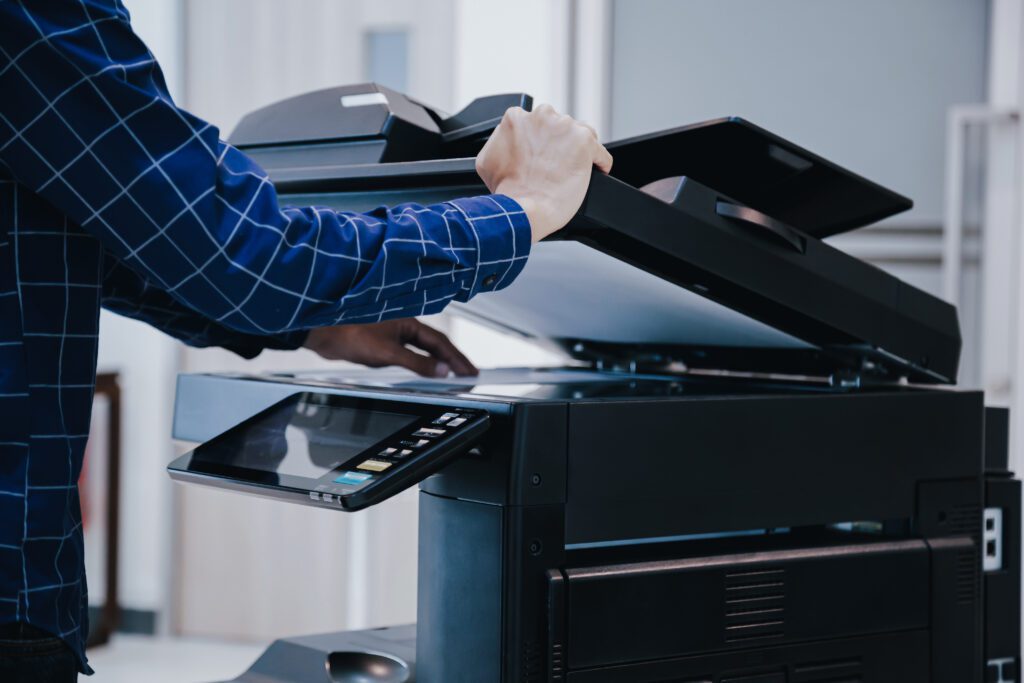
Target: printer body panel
{"x": 691, "y": 605}
{"x": 460, "y": 590}
{"x": 847, "y": 457}
{"x": 890, "y": 658}
{"x": 523, "y": 579}
{"x": 521, "y": 462}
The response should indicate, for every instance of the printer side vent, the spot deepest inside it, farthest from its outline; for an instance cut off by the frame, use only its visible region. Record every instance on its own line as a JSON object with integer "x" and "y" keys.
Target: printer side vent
{"x": 965, "y": 520}
{"x": 557, "y": 662}
{"x": 755, "y": 605}
{"x": 966, "y": 577}
{"x": 533, "y": 662}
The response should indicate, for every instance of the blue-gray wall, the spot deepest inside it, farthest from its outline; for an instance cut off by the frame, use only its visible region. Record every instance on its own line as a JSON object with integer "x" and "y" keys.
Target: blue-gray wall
{"x": 866, "y": 83}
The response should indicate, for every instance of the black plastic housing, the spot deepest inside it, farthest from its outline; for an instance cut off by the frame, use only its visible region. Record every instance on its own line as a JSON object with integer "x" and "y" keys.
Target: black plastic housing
{"x": 742, "y": 227}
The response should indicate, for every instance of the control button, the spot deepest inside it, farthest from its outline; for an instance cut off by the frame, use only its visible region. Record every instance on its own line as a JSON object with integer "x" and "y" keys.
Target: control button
{"x": 404, "y": 453}
{"x": 313, "y": 495}
{"x": 353, "y": 478}
{"x": 429, "y": 432}
{"x": 374, "y": 465}
{"x": 388, "y": 452}
{"x": 328, "y": 498}
{"x": 444, "y": 418}
{"x": 416, "y": 444}
{"x": 457, "y": 422}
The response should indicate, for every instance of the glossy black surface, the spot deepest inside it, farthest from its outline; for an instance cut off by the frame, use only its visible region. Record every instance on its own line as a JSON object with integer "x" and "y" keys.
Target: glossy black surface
{"x": 336, "y": 450}
{"x": 761, "y": 170}
{"x": 301, "y": 439}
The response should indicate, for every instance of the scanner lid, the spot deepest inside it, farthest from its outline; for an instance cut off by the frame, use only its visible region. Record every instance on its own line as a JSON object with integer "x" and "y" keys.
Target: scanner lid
{"x": 701, "y": 250}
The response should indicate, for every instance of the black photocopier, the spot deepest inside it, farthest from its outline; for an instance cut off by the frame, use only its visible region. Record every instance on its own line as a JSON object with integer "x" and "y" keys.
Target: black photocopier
{"x": 750, "y": 470}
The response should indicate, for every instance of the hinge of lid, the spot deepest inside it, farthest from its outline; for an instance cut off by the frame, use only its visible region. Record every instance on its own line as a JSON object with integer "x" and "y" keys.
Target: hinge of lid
{"x": 629, "y": 360}
{"x": 846, "y": 379}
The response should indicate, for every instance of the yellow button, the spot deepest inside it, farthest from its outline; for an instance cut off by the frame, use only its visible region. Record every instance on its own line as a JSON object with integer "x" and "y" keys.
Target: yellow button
{"x": 374, "y": 465}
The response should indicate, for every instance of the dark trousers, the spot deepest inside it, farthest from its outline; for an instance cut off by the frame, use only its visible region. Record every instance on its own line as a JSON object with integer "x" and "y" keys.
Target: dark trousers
{"x": 30, "y": 655}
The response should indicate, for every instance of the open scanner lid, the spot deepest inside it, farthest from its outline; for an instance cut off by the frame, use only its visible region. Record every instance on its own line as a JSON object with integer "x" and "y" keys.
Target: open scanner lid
{"x": 702, "y": 248}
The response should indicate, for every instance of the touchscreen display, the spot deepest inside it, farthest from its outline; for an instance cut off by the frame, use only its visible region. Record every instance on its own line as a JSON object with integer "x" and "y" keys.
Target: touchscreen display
{"x": 302, "y": 439}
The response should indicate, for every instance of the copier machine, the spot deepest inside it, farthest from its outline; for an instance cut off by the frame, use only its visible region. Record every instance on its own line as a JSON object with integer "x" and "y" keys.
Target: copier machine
{"x": 751, "y": 469}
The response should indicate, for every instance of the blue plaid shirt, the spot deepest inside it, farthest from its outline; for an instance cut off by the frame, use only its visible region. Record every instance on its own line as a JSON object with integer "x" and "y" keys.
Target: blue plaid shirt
{"x": 112, "y": 196}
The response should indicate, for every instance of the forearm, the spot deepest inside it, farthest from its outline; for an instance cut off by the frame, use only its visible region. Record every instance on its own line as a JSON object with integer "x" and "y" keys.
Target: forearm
{"x": 97, "y": 136}
{"x": 126, "y": 293}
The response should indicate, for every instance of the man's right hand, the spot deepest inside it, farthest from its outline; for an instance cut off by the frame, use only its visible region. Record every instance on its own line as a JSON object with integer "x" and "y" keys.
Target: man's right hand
{"x": 542, "y": 159}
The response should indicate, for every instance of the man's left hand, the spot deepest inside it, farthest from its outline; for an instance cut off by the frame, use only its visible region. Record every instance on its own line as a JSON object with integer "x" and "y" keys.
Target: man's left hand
{"x": 387, "y": 343}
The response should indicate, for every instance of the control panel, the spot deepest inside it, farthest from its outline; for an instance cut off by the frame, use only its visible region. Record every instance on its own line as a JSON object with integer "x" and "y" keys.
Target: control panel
{"x": 415, "y": 452}
{"x": 329, "y": 450}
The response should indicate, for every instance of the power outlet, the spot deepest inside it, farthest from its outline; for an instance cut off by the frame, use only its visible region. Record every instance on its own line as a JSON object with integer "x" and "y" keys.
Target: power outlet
{"x": 992, "y": 540}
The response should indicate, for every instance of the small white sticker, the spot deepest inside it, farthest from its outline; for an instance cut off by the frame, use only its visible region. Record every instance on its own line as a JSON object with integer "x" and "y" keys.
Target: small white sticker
{"x": 363, "y": 99}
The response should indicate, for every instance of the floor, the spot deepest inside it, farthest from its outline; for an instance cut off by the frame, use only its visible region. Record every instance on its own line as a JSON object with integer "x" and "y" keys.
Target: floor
{"x": 130, "y": 659}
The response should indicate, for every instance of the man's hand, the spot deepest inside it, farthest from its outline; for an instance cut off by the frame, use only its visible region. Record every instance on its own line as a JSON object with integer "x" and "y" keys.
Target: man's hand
{"x": 385, "y": 343}
{"x": 542, "y": 159}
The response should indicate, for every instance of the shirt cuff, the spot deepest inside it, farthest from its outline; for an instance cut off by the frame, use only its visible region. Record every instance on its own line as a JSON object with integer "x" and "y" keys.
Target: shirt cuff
{"x": 503, "y": 237}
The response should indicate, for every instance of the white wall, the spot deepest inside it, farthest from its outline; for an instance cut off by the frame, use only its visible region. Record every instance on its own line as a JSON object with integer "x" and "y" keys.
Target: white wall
{"x": 511, "y": 47}
{"x": 865, "y": 83}
{"x": 243, "y": 54}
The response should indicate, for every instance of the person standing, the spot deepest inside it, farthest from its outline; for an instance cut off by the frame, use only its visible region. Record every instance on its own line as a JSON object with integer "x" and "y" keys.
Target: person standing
{"x": 112, "y": 196}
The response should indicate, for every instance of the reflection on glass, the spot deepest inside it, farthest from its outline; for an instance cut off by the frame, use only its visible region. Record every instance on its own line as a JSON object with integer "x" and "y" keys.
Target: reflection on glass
{"x": 303, "y": 439}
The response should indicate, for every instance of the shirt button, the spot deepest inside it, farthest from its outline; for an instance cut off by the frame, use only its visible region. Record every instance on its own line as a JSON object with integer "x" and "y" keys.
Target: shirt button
{"x": 490, "y": 280}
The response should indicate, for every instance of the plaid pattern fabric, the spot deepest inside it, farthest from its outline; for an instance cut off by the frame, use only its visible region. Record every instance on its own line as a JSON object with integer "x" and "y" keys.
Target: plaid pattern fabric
{"x": 112, "y": 196}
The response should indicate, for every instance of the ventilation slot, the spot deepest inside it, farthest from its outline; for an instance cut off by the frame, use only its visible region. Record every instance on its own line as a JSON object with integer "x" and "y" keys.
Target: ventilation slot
{"x": 844, "y": 671}
{"x": 967, "y": 583}
{"x": 557, "y": 662}
{"x": 755, "y": 605}
{"x": 964, "y": 520}
{"x": 533, "y": 663}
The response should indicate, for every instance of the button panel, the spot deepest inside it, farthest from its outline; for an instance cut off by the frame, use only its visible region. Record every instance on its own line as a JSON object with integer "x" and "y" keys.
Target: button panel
{"x": 407, "y": 445}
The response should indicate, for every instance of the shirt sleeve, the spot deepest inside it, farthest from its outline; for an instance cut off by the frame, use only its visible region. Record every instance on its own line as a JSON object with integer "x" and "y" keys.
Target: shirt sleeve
{"x": 127, "y": 293}
{"x": 87, "y": 123}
